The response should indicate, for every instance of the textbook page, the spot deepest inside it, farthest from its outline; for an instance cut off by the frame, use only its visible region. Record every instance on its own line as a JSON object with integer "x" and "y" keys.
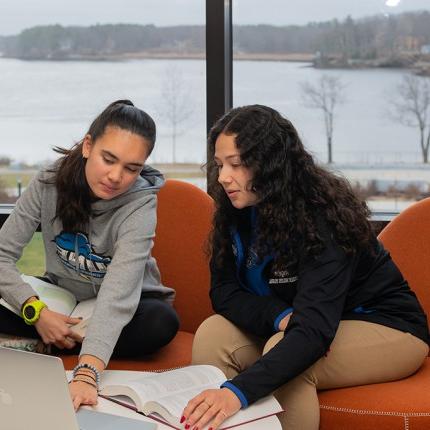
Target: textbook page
{"x": 60, "y": 300}
{"x": 84, "y": 309}
{"x": 175, "y": 404}
{"x": 151, "y": 386}
{"x": 56, "y": 298}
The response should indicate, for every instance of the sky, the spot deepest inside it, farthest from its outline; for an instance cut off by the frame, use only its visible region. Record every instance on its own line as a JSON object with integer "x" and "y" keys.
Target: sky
{"x": 15, "y": 15}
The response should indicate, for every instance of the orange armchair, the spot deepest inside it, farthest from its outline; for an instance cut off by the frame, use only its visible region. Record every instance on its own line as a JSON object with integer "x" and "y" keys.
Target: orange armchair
{"x": 403, "y": 404}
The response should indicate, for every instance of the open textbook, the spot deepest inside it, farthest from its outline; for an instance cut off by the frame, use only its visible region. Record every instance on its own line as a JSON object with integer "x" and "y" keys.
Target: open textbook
{"x": 163, "y": 396}
{"x": 59, "y": 300}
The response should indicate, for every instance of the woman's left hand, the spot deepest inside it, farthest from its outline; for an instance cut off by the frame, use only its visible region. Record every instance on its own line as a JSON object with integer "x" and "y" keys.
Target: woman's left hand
{"x": 82, "y": 394}
{"x": 210, "y": 407}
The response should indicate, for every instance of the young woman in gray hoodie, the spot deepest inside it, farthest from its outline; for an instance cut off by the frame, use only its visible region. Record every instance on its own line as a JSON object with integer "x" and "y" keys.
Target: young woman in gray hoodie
{"x": 97, "y": 209}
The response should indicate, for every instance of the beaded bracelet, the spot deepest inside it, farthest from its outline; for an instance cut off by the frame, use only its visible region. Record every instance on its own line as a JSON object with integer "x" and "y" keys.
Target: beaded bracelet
{"x": 85, "y": 372}
{"x": 87, "y": 366}
{"x": 86, "y": 382}
{"x": 86, "y": 375}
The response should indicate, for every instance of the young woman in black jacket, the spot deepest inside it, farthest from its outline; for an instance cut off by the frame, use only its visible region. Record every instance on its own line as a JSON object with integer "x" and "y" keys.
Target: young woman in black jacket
{"x": 305, "y": 295}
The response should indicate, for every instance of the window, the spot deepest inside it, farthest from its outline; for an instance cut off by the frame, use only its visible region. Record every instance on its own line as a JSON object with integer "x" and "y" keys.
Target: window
{"x": 61, "y": 64}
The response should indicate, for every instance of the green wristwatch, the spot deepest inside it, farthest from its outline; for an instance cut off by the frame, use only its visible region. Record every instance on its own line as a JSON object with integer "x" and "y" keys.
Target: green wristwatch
{"x": 31, "y": 311}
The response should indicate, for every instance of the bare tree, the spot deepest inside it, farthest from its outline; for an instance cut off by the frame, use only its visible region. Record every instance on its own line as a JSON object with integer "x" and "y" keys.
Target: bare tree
{"x": 410, "y": 105}
{"x": 324, "y": 95}
{"x": 176, "y": 105}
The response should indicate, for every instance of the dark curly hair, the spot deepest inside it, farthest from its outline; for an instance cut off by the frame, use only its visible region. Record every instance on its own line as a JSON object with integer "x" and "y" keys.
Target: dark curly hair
{"x": 295, "y": 196}
{"x": 73, "y": 192}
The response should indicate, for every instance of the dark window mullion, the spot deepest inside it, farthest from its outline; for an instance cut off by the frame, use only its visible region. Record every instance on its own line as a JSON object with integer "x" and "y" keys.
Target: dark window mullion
{"x": 219, "y": 59}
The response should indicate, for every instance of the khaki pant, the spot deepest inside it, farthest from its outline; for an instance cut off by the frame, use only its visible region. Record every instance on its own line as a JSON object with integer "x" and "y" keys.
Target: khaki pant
{"x": 361, "y": 353}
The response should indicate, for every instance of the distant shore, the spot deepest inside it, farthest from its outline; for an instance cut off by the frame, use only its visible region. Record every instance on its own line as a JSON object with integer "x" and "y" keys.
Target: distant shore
{"x": 153, "y": 55}
{"x": 421, "y": 67}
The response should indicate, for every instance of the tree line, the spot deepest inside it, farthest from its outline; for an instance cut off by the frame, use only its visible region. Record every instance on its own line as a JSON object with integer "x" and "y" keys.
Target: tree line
{"x": 58, "y": 42}
{"x": 365, "y": 39}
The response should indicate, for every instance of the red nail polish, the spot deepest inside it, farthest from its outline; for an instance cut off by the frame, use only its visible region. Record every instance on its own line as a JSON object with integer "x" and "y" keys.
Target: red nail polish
{"x": 187, "y": 426}
{"x": 182, "y": 419}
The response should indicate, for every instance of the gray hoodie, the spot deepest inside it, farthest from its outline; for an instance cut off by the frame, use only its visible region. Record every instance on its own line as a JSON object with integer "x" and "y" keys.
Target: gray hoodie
{"x": 114, "y": 256}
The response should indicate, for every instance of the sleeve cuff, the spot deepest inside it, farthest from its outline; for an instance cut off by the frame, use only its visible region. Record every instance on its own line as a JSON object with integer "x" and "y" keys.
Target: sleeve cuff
{"x": 236, "y": 391}
{"x": 280, "y": 316}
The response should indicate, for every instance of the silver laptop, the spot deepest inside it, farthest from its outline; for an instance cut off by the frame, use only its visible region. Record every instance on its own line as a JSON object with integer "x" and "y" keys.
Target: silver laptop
{"x": 34, "y": 395}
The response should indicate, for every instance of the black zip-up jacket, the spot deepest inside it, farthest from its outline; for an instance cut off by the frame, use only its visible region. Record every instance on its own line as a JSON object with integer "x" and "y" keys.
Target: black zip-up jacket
{"x": 322, "y": 291}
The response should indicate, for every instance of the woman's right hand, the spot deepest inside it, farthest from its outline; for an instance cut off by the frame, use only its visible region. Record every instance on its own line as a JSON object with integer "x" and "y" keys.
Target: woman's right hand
{"x": 54, "y": 328}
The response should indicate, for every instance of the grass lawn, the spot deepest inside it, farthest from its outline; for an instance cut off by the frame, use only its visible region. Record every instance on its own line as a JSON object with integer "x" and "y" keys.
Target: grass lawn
{"x": 32, "y": 261}
{"x": 10, "y": 180}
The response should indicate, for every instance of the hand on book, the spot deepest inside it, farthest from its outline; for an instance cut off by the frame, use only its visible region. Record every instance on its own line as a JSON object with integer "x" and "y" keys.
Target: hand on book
{"x": 210, "y": 407}
{"x": 82, "y": 394}
{"x": 54, "y": 328}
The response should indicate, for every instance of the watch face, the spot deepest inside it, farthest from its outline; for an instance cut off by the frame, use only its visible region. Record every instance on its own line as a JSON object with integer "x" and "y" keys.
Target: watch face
{"x": 29, "y": 312}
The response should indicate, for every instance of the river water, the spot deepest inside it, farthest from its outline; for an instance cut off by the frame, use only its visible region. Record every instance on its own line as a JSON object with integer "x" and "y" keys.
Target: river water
{"x": 44, "y": 104}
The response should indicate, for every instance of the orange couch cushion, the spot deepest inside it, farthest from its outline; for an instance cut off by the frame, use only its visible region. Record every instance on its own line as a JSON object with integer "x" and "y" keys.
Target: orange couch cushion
{"x": 407, "y": 238}
{"x": 176, "y": 354}
{"x": 403, "y": 404}
{"x": 184, "y": 216}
